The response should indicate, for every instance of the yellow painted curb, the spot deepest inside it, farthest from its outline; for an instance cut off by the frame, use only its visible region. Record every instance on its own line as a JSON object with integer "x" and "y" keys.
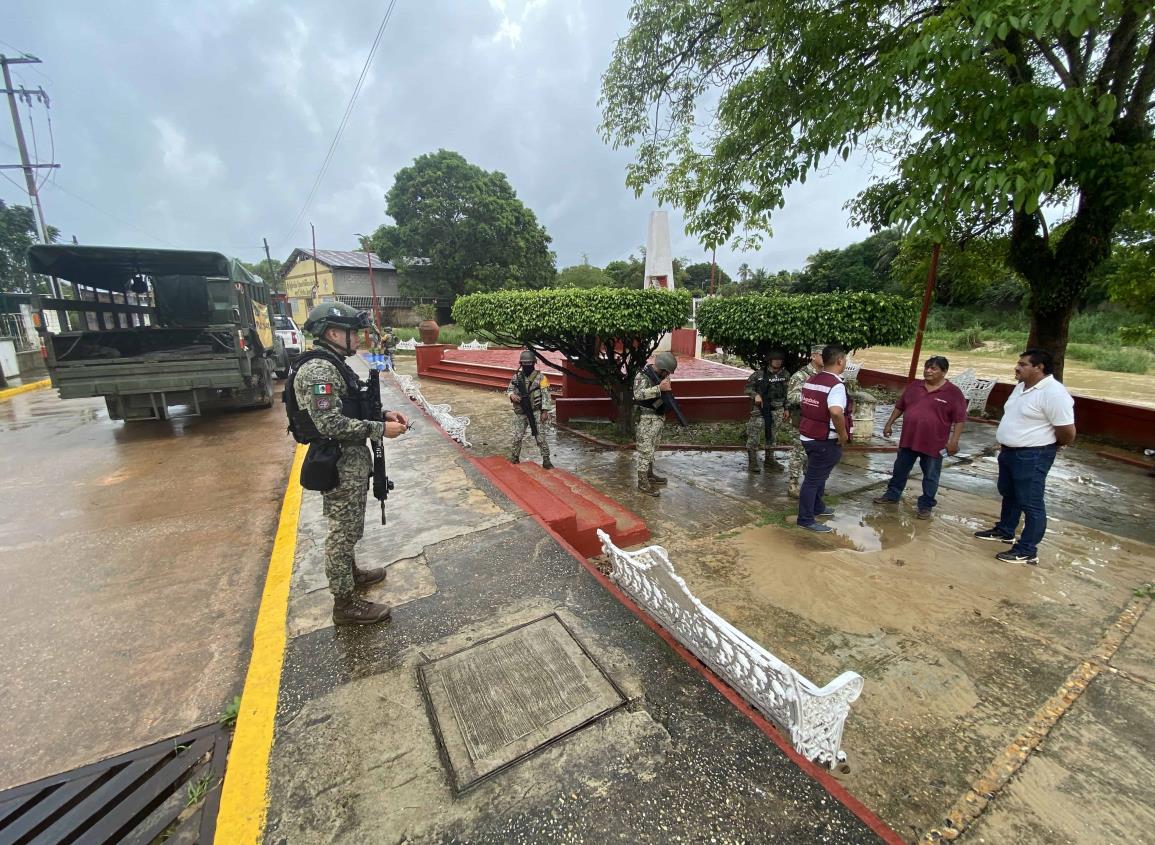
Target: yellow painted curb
{"x": 24, "y": 388}
{"x": 244, "y": 796}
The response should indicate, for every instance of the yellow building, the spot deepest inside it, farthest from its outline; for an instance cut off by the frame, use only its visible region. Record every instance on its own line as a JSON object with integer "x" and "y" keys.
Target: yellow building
{"x": 337, "y": 275}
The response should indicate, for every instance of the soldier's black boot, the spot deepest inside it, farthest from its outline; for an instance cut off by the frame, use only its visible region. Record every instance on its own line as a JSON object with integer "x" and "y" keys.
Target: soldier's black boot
{"x": 351, "y": 610}
{"x": 546, "y": 463}
{"x": 645, "y": 485}
{"x": 515, "y": 459}
{"x": 654, "y": 477}
{"x": 366, "y": 577}
{"x": 771, "y": 464}
{"x": 752, "y": 461}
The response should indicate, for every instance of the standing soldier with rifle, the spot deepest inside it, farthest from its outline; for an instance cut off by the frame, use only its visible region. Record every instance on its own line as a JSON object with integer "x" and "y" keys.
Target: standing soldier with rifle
{"x": 652, "y": 397}
{"x": 766, "y": 388}
{"x": 329, "y": 407}
{"x": 794, "y": 400}
{"x": 528, "y": 392}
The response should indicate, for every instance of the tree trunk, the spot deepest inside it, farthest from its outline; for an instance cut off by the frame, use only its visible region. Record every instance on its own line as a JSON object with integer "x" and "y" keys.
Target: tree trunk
{"x": 623, "y": 396}
{"x": 1049, "y": 331}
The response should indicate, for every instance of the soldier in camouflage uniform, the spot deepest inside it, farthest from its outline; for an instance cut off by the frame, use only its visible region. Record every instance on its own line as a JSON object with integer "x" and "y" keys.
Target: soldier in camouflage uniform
{"x": 648, "y": 387}
{"x": 328, "y": 391}
{"x": 794, "y": 401}
{"x": 528, "y": 380}
{"x": 766, "y": 388}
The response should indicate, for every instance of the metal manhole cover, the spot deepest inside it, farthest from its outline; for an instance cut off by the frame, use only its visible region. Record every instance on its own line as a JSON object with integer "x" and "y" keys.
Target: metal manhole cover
{"x": 498, "y": 701}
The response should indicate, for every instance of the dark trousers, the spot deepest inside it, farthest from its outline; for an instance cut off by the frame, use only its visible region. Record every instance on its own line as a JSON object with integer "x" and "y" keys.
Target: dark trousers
{"x": 822, "y": 456}
{"x": 1022, "y": 483}
{"x": 903, "y": 464}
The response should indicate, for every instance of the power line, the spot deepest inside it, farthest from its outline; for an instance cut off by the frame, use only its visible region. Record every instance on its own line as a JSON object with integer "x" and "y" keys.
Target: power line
{"x": 344, "y": 120}
{"x": 58, "y": 187}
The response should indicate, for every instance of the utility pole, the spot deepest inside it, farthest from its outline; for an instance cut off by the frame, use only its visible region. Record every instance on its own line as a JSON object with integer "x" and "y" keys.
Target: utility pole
{"x": 269, "y": 258}
{"x": 26, "y": 165}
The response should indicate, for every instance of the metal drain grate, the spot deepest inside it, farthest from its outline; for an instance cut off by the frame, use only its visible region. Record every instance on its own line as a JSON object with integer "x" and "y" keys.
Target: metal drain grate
{"x": 172, "y": 786}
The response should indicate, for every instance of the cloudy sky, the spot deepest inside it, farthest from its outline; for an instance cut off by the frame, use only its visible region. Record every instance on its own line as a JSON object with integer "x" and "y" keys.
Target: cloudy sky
{"x": 203, "y": 124}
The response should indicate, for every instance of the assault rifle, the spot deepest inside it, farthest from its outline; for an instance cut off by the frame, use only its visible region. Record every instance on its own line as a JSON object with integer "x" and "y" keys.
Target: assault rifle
{"x": 381, "y": 483}
{"x": 668, "y": 399}
{"x": 526, "y": 403}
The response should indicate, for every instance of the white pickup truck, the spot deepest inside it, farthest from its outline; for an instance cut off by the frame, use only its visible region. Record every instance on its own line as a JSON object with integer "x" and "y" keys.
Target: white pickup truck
{"x": 291, "y": 338}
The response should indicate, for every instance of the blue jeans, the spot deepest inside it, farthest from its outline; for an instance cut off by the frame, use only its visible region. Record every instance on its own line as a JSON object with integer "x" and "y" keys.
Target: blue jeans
{"x": 903, "y": 464}
{"x": 821, "y": 458}
{"x": 1022, "y": 483}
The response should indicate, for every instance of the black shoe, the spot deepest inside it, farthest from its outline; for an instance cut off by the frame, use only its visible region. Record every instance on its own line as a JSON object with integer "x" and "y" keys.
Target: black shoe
{"x": 366, "y": 577}
{"x": 994, "y": 534}
{"x": 515, "y": 460}
{"x": 355, "y": 611}
{"x": 545, "y": 463}
{"x": 884, "y": 500}
{"x": 925, "y": 513}
{"x": 1011, "y": 556}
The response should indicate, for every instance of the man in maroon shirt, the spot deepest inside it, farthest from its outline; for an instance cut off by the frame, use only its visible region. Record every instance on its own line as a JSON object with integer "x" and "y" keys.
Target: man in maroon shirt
{"x": 935, "y": 413}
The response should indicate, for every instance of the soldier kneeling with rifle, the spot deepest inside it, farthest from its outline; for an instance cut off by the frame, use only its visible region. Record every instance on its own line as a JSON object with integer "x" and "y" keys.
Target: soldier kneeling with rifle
{"x": 333, "y": 411}
{"x": 528, "y": 392}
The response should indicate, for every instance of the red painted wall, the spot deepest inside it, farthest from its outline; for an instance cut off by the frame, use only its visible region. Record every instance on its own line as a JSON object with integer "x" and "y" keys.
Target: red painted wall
{"x": 684, "y": 342}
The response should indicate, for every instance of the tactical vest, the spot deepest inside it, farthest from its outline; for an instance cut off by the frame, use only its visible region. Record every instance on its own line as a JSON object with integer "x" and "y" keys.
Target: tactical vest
{"x": 656, "y": 405}
{"x": 771, "y": 387}
{"x": 534, "y": 390}
{"x": 301, "y": 425}
{"x": 816, "y": 423}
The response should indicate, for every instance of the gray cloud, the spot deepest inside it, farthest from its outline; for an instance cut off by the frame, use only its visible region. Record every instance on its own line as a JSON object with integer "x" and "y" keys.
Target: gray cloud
{"x": 202, "y": 125}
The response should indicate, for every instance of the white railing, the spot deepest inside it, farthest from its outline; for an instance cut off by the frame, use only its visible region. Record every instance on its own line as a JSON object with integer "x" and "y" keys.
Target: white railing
{"x": 811, "y": 716}
{"x": 407, "y": 345}
{"x": 475, "y": 345}
{"x": 454, "y": 426}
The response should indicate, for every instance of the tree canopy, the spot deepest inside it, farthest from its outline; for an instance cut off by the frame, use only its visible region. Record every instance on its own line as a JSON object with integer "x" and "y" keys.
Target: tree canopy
{"x": 460, "y": 229}
{"x": 988, "y": 110}
{"x": 698, "y": 278}
{"x": 18, "y": 231}
{"x": 606, "y": 334}
{"x": 753, "y": 325}
{"x": 583, "y": 275}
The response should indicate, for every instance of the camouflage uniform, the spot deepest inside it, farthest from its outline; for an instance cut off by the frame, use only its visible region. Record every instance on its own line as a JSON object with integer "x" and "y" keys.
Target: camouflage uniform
{"x": 319, "y": 389}
{"x": 541, "y": 400}
{"x": 794, "y": 401}
{"x": 649, "y": 425}
{"x": 772, "y": 387}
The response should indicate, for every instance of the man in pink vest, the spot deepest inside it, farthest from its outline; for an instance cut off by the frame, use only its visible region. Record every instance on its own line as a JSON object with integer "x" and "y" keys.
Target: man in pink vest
{"x": 824, "y": 430}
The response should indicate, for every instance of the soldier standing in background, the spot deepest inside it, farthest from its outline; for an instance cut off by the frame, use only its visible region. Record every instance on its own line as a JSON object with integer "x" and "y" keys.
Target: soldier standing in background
{"x": 766, "y": 388}
{"x": 527, "y": 381}
{"x": 328, "y": 403}
{"x": 794, "y": 401}
{"x": 648, "y": 387}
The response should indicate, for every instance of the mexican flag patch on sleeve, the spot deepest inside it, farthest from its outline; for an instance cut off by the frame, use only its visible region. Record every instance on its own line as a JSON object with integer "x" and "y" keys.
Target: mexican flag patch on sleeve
{"x": 322, "y": 389}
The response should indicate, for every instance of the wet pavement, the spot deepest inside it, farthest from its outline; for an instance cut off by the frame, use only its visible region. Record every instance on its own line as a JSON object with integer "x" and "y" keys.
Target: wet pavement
{"x": 132, "y": 557}
{"x": 355, "y": 758}
{"x": 958, "y": 650}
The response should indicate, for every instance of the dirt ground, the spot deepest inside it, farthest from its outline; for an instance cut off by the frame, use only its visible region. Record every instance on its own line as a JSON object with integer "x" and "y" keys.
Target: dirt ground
{"x": 958, "y": 650}
{"x": 1079, "y": 377}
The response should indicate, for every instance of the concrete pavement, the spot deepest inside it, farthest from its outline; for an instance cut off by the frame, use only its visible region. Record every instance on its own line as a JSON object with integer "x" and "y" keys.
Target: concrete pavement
{"x": 356, "y": 757}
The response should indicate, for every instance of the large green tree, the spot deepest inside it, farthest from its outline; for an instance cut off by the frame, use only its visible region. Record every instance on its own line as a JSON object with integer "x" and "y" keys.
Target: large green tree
{"x": 698, "y": 278}
{"x": 606, "y": 334}
{"x": 861, "y": 266}
{"x": 270, "y": 271}
{"x": 584, "y": 275}
{"x": 460, "y": 229}
{"x": 18, "y": 231}
{"x": 989, "y": 110}
{"x": 752, "y": 325}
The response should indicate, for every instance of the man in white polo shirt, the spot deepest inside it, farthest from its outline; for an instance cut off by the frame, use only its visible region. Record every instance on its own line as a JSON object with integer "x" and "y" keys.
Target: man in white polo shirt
{"x": 1038, "y": 419}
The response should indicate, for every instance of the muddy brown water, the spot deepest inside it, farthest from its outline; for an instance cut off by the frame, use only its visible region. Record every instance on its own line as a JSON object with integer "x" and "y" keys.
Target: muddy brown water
{"x": 1080, "y": 378}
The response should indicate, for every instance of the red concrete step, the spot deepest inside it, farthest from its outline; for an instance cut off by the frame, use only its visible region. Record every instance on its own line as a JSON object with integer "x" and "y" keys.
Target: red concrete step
{"x": 466, "y": 372}
{"x": 594, "y": 510}
{"x": 531, "y": 496}
{"x": 436, "y": 372}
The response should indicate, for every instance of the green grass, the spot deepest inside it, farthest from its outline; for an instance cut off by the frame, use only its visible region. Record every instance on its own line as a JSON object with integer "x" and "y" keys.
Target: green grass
{"x": 1136, "y": 361}
{"x": 450, "y": 333}
{"x": 229, "y": 717}
{"x": 197, "y": 790}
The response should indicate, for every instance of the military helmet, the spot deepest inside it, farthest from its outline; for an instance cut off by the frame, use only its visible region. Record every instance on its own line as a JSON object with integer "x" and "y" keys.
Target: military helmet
{"x": 335, "y": 315}
{"x": 526, "y": 357}
{"x": 775, "y": 355}
{"x": 666, "y": 361}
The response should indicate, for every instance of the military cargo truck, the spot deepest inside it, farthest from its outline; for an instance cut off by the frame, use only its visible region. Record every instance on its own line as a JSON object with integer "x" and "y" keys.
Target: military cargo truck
{"x": 152, "y": 329}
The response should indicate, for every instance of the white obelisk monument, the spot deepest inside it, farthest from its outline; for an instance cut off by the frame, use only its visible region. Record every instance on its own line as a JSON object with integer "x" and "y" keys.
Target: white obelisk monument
{"x": 659, "y": 260}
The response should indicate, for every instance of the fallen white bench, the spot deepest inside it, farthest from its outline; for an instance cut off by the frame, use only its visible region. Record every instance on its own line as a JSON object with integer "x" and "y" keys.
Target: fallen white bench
{"x": 474, "y": 345}
{"x": 812, "y": 717}
{"x": 407, "y": 345}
